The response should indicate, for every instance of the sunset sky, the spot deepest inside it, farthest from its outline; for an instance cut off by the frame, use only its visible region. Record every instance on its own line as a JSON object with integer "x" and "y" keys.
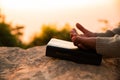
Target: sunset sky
{"x": 33, "y": 13}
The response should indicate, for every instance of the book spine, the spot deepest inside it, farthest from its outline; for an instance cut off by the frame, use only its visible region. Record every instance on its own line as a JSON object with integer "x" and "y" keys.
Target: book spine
{"x": 83, "y": 58}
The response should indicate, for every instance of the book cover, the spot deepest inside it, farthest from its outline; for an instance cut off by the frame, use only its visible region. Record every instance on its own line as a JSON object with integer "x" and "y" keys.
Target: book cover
{"x": 66, "y": 50}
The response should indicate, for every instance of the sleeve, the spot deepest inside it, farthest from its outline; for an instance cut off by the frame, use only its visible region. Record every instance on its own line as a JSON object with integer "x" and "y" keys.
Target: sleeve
{"x": 108, "y": 46}
{"x": 109, "y": 33}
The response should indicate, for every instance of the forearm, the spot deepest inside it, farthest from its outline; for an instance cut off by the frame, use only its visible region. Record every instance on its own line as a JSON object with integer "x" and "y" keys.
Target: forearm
{"x": 109, "y": 33}
{"x": 108, "y": 46}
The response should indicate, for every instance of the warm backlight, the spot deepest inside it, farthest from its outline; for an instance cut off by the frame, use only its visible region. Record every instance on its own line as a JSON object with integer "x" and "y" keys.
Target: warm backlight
{"x": 46, "y": 4}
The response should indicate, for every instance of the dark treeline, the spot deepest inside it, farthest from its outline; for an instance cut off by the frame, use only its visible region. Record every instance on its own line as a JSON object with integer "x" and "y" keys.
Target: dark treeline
{"x": 11, "y": 36}
{"x": 51, "y": 31}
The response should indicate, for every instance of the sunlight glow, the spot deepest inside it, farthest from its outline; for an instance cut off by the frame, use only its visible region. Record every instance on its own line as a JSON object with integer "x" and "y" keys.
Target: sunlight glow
{"x": 48, "y": 4}
{"x": 34, "y": 13}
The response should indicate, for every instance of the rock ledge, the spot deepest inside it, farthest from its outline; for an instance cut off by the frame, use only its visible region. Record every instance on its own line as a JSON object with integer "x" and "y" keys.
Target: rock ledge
{"x": 32, "y": 64}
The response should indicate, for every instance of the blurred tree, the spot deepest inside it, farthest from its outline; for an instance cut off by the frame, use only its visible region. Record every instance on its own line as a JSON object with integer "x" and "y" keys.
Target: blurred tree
{"x": 106, "y": 23}
{"x": 47, "y": 32}
{"x": 64, "y": 33}
{"x": 51, "y": 31}
{"x": 6, "y": 36}
{"x": 18, "y": 32}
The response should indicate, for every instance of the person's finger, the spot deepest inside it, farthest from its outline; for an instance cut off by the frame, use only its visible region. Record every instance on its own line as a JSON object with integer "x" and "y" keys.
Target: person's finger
{"x": 80, "y": 46}
{"x": 73, "y": 32}
{"x": 83, "y": 40}
{"x": 86, "y": 41}
{"x": 80, "y": 40}
{"x": 82, "y": 35}
{"x": 81, "y": 28}
{"x": 75, "y": 42}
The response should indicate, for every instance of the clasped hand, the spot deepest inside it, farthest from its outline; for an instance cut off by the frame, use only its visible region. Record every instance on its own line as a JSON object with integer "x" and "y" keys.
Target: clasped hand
{"x": 87, "y": 40}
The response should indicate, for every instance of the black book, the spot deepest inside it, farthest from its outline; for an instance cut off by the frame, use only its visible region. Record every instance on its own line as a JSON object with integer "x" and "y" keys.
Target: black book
{"x": 66, "y": 50}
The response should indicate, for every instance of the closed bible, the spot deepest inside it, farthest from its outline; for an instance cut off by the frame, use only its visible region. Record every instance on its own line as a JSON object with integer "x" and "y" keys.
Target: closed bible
{"x": 67, "y": 51}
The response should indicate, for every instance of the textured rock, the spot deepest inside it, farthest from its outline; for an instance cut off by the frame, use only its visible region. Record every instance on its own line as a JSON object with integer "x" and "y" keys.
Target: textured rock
{"x": 32, "y": 64}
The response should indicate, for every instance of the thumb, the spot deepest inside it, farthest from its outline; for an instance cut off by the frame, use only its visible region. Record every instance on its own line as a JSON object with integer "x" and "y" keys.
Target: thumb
{"x": 87, "y": 42}
{"x": 81, "y": 28}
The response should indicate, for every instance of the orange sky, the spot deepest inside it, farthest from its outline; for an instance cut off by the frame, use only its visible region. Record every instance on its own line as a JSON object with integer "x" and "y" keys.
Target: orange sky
{"x": 33, "y": 13}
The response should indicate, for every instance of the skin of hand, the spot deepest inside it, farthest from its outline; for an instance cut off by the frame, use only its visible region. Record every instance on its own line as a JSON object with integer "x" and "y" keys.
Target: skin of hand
{"x": 86, "y": 32}
{"x": 87, "y": 40}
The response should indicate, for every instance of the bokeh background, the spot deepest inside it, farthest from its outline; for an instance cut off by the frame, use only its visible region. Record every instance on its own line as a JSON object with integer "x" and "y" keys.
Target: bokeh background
{"x": 28, "y": 23}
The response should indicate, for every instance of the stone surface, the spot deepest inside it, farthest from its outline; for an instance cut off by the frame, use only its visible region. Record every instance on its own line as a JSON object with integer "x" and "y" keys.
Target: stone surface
{"x": 32, "y": 64}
